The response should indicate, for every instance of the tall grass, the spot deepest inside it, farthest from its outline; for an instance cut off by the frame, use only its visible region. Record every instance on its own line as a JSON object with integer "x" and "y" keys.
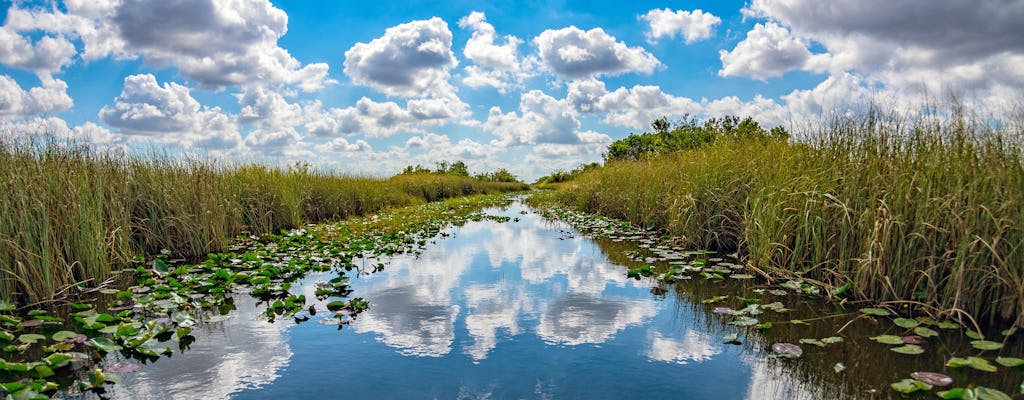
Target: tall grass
{"x": 925, "y": 212}
{"x": 70, "y": 215}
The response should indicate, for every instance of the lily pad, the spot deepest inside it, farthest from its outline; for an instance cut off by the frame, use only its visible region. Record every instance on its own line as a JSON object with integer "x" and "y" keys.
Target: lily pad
{"x": 104, "y": 344}
{"x": 911, "y": 349}
{"x": 732, "y": 338}
{"x": 925, "y": 332}
{"x": 914, "y": 339}
{"x": 977, "y": 363}
{"x": 63, "y": 335}
{"x": 1010, "y": 362}
{"x": 910, "y": 386}
{"x": 744, "y": 321}
{"x": 787, "y": 350}
{"x": 932, "y": 378}
{"x": 30, "y": 338}
{"x": 839, "y": 367}
{"x": 888, "y": 339}
{"x": 973, "y": 334}
{"x": 741, "y": 276}
{"x": 906, "y": 323}
{"x": 986, "y": 345}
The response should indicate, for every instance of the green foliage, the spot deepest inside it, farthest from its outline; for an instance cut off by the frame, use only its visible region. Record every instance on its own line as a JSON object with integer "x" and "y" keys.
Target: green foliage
{"x": 689, "y": 135}
{"x": 563, "y": 176}
{"x": 925, "y": 210}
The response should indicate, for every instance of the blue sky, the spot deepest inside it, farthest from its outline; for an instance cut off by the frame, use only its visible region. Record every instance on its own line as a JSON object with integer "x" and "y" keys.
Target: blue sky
{"x": 371, "y": 86}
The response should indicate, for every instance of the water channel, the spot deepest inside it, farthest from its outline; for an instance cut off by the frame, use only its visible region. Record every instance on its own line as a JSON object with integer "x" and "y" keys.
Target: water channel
{"x": 531, "y": 308}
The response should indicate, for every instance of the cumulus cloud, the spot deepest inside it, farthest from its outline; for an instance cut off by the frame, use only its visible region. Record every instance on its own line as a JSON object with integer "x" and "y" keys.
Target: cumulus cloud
{"x": 541, "y": 119}
{"x": 379, "y": 119}
{"x": 170, "y": 114}
{"x": 44, "y": 57}
{"x": 16, "y": 103}
{"x": 768, "y": 51}
{"x": 692, "y": 26}
{"x": 635, "y": 107}
{"x": 497, "y": 65}
{"x": 573, "y": 53}
{"x": 91, "y": 21}
{"x": 411, "y": 59}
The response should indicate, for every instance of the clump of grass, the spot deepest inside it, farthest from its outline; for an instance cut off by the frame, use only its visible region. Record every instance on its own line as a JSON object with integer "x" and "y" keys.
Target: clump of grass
{"x": 69, "y": 216}
{"x": 927, "y": 211}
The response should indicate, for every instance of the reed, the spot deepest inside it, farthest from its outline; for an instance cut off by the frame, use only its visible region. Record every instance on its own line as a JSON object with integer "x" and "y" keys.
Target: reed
{"x": 70, "y": 216}
{"x": 927, "y": 212}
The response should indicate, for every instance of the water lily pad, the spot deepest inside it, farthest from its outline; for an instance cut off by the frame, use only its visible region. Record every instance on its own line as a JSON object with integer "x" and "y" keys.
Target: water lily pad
{"x": 787, "y": 350}
{"x": 63, "y": 335}
{"x": 732, "y": 338}
{"x": 1010, "y": 362}
{"x": 914, "y": 339}
{"x": 32, "y": 323}
{"x": 776, "y": 306}
{"x": 984, "y": 393}
{"x": 925, "y": 332}
{"x": 948, "y": 325}
{"x": 977, "y": 363}
{"x": 30, "y": 338}
{"x": 57, "y": 360}
{"x": 744, "y": 321}
{"x": 888, "y": 339}
{"x": 954, "y": 393}
{"x": 932, "y": 378}
{"x": 910, "y": 349}
{"x": 974, "y": 334}
{"x": 906, "y": 323}
{"x": 815, "y": 342}
{"x": 881, "y": 312}
{"x": 910, "y": 386}
{"x": 1008, "y": 332}
{"x": 741, "y": 276}
{"x": 986, "y": 345}
{"x": 778, "y": 292}
{"x": 839, "y": 367}
{"x": 104, "y": 344}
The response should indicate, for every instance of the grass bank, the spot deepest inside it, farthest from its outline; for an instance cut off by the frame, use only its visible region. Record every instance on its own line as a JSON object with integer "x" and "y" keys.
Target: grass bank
{"x": 925, "y": 213}
{"x": 70, "y": 216}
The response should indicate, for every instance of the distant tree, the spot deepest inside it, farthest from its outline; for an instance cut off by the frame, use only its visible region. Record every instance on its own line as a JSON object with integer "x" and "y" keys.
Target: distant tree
{"x": 687, "y": 135}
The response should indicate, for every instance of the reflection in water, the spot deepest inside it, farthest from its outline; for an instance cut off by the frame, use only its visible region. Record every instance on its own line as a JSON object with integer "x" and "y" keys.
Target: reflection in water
{"x": 693, "y": 346}
{"x": 578, "y": 318}
{"x": 241, "y": 353}
{"x": 491, "y": 308}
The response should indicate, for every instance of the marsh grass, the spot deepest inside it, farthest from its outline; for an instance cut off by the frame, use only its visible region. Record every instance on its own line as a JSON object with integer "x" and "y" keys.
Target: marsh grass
{"x": 69, "y": 215}
{"x": 927, "y": 212}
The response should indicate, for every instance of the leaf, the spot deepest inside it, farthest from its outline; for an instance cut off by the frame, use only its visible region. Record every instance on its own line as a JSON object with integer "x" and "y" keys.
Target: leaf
{"x": 910, "y": 349}
{"x": 842, "y": 289}
{"x": 104, "y": 344}
{"x": 815, "y": 342}
{"x": 910, "y": 386}
{"x": 63, "y": 335}
{"x": 744, "y": 321}
{"x": 5, "y": 306}
{"x": 984, "y": 393}
{"x": 925, "y": 332}
{"x": 1008, "y": 332}
{"x": 906, "y": 323}
{"x": 888, "y": 339}
{"x": 875, "y": 311}
{"x": 30, "y": 338}
{"x": 948, "y": 325}
{"x": 981, "y": 364}
{"x": 832, "y": 339}
{"x": 839, "y": 367}
{"x": 57, "y": 360}
{"x": 932, "y": 378}
{"x": 954, "y": 393}
{"x": 714, "y": 299}
{"x": 974, "y": 334}
{"x": 1010, "y": 362}
{"x": 986, "y": 345}
{"x": 741, "y": 276}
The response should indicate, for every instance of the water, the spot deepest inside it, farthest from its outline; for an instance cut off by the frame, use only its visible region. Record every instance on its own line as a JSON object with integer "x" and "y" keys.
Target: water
{"x": 523, "y": 309}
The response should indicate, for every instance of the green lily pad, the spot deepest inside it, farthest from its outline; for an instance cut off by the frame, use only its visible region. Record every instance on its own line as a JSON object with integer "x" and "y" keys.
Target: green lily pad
{"x": 104, "y": 344}
{"x": 925, "y": 332}
{"x": 57, "y": 360}
{"x": 906, "y": 323}
{"x": 974, "y": 334}
{"x": 948, "y": 325}
{"x": 42, "y": 371}
{"x": 839, "y": 367}
{"x": 881, "y": 312}
{"x": 911, "y": 349}
{"x": 1008, "y": 332}
{"x": 741, "y": 276}
{"x": 910, "y": 386}
{"x": 744, "y": 321}
{"x": 1010, "y": 362}
{"x": 815, "y": 342}
{"x": 888, "y": 339}
{"x": 986, "y": 345}
{"x": 984, "y": 393}
{"x": 30, "y": 338}
{"x": 6, "y": 336}
{"x": 980, "y": 364}
{"x": 954, "y": 393}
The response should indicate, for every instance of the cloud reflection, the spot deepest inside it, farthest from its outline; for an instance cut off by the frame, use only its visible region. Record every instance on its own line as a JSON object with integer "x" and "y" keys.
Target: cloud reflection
{"x": 693, "y": 346}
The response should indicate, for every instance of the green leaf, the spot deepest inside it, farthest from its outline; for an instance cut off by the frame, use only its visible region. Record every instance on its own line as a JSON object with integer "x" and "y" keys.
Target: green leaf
{"x": 741, "y": 321}
{"x": 1010, "y": 362}
{"x": 840, "y": 290}
{"x": 986, "y": 345}
{"x": 104, "y": 344}
{"x": 888, "y": 339}
{"x": 57, "y": 360}
{"x": 908, "y": 349}
{"x": 741, "y": 276}
{"x": 954, "y": 393}
{"x": 906, "y": 323}
{"x": 881, "y": 312}
{"x": 948, "y": 325}
{"x": 984, "y": 393}
{"x": 839, "y": 367}
{"x": 1008, "y": 332}
{"x": 973, "y": 334}
{"x": 831, "y": 340}
{"x": 30, "y": 338}
{"x": 815, "y": 342}
{"x": 42, "y": 371}
{"x": 6, "y": 336}
{"x": 981, "y": 364}
{"x": 925, "y": 332}
{"x": 910, "y": 386}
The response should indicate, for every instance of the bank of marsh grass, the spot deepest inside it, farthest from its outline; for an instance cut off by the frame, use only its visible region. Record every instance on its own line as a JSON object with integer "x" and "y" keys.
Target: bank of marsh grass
{"x": 927, "y": 213}
{"x": 70, "y": 215}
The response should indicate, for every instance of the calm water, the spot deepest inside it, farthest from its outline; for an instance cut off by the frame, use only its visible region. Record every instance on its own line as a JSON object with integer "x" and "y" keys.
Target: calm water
{"x": 524, "y": 309}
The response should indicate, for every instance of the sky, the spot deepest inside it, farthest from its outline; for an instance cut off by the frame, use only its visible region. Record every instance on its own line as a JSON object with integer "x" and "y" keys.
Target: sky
{"x": 369, "y": 87}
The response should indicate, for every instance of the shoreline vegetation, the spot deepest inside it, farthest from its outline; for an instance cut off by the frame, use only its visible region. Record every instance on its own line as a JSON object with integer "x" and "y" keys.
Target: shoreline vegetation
{"x": 922, "y": 215}
{"x": 72, "y": 216}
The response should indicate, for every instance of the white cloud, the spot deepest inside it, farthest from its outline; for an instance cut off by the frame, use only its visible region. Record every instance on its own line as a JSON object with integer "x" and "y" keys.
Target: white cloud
{"x": 45, "y": 57}
{"x": 634, "y": 108}
{"x": 497, "y": 65}
{"x": 542, "y": 119}
{"x": 376, "y": 119}
{"x": 768, "y": 51}
{"x": 267, "y": 108}
{"x": 15, "y": 103}
{"x": 340, "y": 145}
{"x": 692, "y": 26}
{"x": 574, "y": 53}
{"x": 88, "y": 20}
{"x": 411, "y": 59}
{"x": 169, "y": 114}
